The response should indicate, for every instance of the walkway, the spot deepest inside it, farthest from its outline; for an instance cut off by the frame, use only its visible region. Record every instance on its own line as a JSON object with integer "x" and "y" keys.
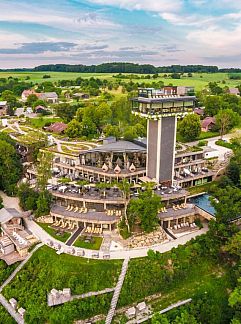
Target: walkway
{"x": 10, "y": 310}
{"x": 74, "y": 236}
{"x": 117, "y": 292}
{"x": 93, "y": 293}
{"x": 117, "y": 254}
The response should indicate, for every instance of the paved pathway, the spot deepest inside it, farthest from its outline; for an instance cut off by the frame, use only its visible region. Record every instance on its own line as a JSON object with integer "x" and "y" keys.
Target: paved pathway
{"x": 74, "y": 236}
{"x": 10, "y": 202}
{"x": 93, "y": 293}
{"x": 120, "y": 254}
{"x": 117, "y": 292}
{"x": 10, "y": 310}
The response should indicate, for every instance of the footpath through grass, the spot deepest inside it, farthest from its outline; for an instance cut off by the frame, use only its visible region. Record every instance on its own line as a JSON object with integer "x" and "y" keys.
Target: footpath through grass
{"x": 61, "y": 236}
{"x": 46, "y": 270}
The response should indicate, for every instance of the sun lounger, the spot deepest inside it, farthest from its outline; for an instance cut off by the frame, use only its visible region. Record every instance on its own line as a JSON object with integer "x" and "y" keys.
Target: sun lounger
{"x": 76, "y": 209}
{"x": 68, "y": 207}
{"x": 71, "y": 208}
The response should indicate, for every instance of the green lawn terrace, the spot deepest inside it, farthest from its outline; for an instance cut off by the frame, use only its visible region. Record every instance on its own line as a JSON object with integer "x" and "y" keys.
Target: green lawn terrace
{"x": 65, "y": 147}
{"x": 92, "y": 242}
{"x": 47, "y": 270}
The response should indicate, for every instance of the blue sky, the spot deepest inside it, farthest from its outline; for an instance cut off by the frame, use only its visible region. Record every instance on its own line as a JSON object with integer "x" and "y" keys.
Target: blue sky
{"x": 159, "y": 32}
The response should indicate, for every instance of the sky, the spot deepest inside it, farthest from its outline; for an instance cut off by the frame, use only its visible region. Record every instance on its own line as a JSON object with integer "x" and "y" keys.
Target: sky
{"x": 158, "y": 32}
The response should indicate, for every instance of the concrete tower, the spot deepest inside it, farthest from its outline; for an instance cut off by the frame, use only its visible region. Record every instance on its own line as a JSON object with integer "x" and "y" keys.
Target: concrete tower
{"x": 161, "y": 112}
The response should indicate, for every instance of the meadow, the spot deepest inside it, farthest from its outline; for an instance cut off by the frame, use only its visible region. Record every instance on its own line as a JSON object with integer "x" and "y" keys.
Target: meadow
{"x": 198, "y": 80}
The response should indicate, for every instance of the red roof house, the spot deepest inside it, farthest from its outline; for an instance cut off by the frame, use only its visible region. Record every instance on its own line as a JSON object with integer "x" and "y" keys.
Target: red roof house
{"x": 208, "y": 123}
{"x": 58, "y": 127}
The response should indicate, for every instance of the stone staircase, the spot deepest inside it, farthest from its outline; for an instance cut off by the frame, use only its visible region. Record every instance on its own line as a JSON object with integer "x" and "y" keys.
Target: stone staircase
{"x": 117, "y": 292}
{"x": 105, "y": 246}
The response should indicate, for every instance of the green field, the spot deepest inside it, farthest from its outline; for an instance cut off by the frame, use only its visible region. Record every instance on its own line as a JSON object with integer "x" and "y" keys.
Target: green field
{"x": 198, "y": 80}
{"x": 47, "y": 270}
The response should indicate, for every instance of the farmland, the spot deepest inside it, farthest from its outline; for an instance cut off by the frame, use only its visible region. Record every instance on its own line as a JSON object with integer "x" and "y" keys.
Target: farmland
{"x": 198, "y": 80}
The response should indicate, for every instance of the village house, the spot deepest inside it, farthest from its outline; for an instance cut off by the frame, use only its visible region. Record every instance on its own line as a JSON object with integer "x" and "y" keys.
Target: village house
{"x": 208, "y": 123}
{"x": 234, "y": 91}
{"x": 57, "y": 127}
{"x": 3, "y": 108}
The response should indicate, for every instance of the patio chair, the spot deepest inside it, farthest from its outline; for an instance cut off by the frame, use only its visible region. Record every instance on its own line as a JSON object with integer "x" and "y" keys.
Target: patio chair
{"x": 174, "y": 207}
{"x": 179, "y": 207}
{"x": 85, "y": 210}
{"x": 76, "y": 209}
{"x": 165, "y": 210}
{"x": 68, "y": 207}
{"x": 71, "y": 208}
{"x": 81, "y": 210}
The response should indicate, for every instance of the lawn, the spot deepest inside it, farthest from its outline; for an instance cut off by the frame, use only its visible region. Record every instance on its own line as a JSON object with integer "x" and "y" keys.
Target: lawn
{"x": 5, "y": 318}
{"x": 198, "y": 189}
{"x": 63, "y": 237}
{"x": 202, "y": 136}
{"x": 185, "y": 272}
{"x": 46, "y": 270}
{"x": 41, "y": 121}
{"x": 93, "y": 244}
{"x": 37, "y": 77}
{"x": 6, "y": 270}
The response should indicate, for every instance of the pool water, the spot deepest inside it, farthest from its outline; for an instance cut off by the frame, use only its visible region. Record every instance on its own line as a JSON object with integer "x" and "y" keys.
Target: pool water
{"x": 204, "y": 203}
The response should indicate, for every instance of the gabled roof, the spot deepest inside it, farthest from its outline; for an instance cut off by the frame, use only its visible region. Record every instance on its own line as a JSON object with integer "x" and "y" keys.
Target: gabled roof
{"x": 234, "y": 91}
{"x": 58, "y": 127}
{"x": 208, "y": 121}
{"x": 49, "y": 95}
{"x": 6, "y": 214}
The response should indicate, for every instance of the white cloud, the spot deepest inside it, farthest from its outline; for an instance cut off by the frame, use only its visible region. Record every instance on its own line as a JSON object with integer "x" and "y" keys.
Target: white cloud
{"x": 71, "y": 21}
{"x": 147, "y": 5}
{"x": 216, "y": 40}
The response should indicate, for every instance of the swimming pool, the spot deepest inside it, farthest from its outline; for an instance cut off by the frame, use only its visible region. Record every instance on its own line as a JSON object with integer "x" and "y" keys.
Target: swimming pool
{"x": 204, "y": 203}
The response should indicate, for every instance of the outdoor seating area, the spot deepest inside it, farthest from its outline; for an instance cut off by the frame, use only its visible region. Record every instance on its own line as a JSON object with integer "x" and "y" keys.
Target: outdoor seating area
{"x": 67, "y": 225}
{"x": 76, "y": 209}
{"x": 93, "y": 230}
{"x": 112, "y": 212}
{"x": 183, "y": 225}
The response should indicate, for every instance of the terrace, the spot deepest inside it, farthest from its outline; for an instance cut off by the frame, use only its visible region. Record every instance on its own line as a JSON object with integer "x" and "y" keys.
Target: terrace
{"x": 92, "y": 195}
{"x": 88, "y": 217}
